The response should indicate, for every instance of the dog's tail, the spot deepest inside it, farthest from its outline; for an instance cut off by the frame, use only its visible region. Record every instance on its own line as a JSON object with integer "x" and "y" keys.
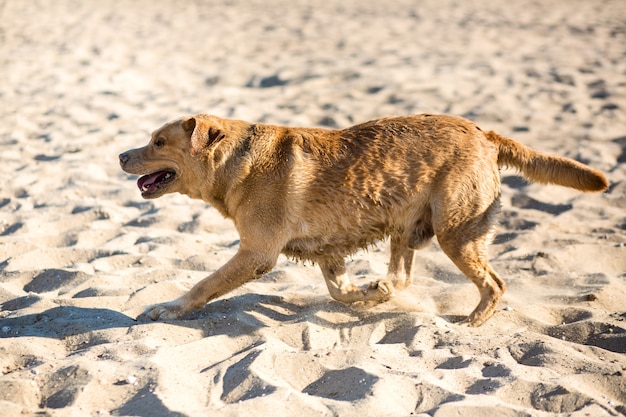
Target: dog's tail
{"x": 546, "y": 169}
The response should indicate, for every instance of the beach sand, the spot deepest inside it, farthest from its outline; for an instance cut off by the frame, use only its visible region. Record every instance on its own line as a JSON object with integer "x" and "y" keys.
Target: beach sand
{"x": 81, "y": 253}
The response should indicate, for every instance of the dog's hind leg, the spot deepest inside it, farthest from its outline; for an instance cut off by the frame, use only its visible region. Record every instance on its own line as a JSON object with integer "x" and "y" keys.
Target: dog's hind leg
{"x": 471, "y": 260}
{"x": 466, "y": 245}
{"x": 342, "y": 290}
{"x": 400, "y": 264}
{"x": 402, "y": 251}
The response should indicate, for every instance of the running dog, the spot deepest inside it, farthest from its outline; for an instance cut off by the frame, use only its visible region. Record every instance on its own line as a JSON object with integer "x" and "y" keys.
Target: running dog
{"x": 321, "y": 195}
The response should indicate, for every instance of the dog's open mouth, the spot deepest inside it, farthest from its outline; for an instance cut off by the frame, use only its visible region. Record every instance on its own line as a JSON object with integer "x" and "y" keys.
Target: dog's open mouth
{"x": 150, "y": 184}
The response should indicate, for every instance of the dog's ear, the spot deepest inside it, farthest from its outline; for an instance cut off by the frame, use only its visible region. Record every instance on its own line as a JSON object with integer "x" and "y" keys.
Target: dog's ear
{"x": 203, "y": 133}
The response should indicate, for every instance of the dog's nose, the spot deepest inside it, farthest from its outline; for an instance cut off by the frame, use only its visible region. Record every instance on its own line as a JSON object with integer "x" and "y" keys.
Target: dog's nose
{"x": 123, "y": 158}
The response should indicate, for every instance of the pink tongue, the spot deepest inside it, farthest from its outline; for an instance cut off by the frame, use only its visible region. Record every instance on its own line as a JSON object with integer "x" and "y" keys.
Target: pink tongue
{"x": 148, "y": 180}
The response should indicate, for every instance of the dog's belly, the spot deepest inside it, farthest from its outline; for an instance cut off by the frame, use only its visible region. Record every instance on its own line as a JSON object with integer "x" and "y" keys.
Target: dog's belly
{"x": 338, "y": 238}
{"x": 331, "y": 246}
{"x": 311, "y": 249}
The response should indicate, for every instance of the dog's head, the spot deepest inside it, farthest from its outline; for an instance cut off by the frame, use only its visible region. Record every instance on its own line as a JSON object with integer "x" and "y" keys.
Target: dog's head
{"x": 173, "y": 159}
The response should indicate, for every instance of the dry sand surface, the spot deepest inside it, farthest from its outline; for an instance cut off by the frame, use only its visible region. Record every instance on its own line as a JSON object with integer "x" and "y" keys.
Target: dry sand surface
{"x": 81, "y": 253}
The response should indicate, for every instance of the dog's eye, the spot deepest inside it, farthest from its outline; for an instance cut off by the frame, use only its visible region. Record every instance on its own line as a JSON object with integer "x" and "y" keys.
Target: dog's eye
{"x": 159, "y": 143}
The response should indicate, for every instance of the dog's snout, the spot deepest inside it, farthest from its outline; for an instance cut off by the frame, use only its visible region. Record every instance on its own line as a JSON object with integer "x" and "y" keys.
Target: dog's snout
{"x": 123, "y": 158}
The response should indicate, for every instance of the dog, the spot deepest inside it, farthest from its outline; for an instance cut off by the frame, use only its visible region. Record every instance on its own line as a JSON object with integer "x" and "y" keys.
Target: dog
{"x": 321, "y": 195}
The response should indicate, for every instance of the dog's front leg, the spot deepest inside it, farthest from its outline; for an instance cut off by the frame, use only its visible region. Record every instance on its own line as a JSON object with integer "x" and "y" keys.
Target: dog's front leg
{"x": 246, "y": 265}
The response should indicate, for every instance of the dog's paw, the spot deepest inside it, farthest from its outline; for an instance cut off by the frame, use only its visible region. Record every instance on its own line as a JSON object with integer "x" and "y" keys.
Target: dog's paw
{"x": 473, "y": 320}
{"x": 384, "y": 288}
{"x": 375, "y": 293}
{"x": 167, "y": 311}
{"x": 467, "y": 322}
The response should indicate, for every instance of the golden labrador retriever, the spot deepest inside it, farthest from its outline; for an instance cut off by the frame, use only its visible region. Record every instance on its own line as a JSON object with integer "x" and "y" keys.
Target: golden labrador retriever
{"x": 321, "y": 195}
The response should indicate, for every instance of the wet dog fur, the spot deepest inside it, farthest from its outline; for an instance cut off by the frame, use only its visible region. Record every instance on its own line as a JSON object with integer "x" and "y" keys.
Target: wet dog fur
{"x": 321, "y": 195}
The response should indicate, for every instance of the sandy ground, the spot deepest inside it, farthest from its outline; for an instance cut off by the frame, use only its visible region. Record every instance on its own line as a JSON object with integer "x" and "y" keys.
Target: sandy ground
{"x": 81, "y": 253}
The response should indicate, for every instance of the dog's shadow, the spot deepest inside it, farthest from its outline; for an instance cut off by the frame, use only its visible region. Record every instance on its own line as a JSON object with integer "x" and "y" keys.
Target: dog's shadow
{"x": 233, "y": 316}
{"x": 62, "y": 322}
{"x": 249, "y": 313}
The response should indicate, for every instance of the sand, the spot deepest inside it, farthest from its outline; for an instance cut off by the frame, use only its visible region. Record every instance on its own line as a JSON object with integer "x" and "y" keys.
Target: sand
{"x": 81, "y": 253}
